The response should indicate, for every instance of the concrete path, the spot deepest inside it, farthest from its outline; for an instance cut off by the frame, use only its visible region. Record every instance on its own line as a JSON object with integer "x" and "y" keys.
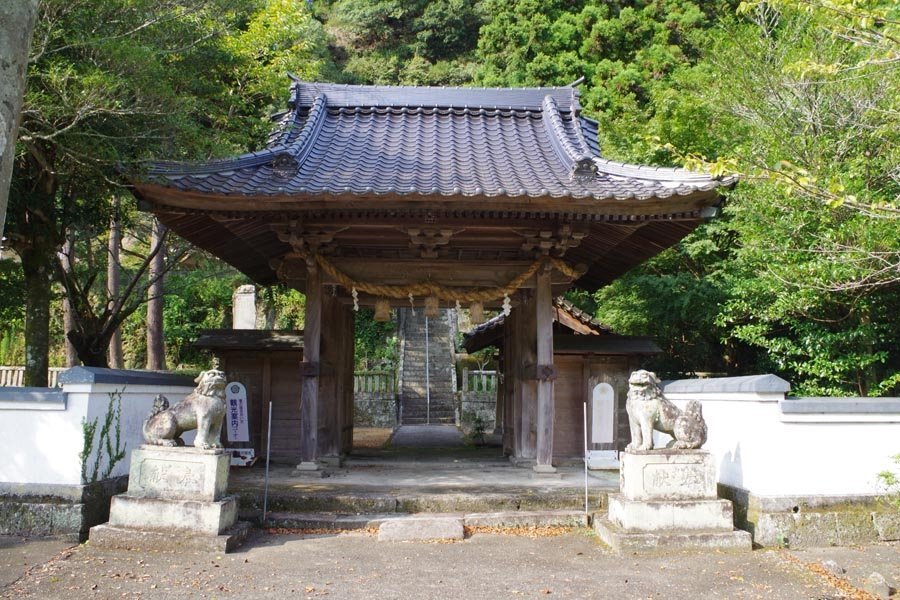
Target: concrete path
{"x": 19, "y": 555}
{"x": 427, "y": 436}
{"x": 570, "y": 565}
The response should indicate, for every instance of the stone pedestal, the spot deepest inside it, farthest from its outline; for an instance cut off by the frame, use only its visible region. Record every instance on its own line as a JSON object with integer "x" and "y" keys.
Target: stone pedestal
{"x": 175, "y": 499}
{"x": 668, "y": 500}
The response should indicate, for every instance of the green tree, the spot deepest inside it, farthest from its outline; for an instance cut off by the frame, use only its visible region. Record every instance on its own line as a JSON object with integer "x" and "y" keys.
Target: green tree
{"x": 809, "y": 117}
{"x": 16, "y": 26}
{"x": 123, "y": 81}
{"x": 411, "y": 43}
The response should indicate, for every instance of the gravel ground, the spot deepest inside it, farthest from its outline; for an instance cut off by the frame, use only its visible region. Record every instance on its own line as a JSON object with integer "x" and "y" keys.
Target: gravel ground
{"x": 355, "y": 565}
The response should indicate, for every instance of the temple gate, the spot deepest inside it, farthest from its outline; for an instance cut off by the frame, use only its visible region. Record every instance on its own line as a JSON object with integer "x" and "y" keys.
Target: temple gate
{"x": 432, "y": 198}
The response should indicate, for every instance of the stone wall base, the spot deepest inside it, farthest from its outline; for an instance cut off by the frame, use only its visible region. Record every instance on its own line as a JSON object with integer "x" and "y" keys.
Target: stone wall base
{"x": 57, "y": 511}
{"x": 813, "y": 521}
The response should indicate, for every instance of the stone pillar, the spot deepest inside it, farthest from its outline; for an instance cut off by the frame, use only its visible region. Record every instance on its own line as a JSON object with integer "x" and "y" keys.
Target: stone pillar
{"x": 243, "y": 308}
{"x": 309, "y": 399}
{"x": 545, "y": 372}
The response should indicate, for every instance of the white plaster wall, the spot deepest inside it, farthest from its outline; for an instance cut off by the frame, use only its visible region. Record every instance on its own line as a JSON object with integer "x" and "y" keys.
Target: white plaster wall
{"x": 762, "y": 450}
{"x": 42, "y": 446}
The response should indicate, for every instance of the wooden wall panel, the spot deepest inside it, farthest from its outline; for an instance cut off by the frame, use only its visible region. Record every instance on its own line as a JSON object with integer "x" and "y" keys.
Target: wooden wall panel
{"x": 568, "y": 435}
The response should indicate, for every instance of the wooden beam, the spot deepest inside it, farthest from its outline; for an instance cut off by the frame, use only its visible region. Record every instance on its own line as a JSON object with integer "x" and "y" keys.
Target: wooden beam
{"x": 312, "y": 338}
{"x": 406, "y": 271}
{"x": 543, "y": 308}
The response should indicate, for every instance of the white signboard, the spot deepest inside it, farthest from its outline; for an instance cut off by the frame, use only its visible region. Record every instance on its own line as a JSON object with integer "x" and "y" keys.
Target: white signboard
{"x": 604, "y": 406}
{"x": 236, "y": 413}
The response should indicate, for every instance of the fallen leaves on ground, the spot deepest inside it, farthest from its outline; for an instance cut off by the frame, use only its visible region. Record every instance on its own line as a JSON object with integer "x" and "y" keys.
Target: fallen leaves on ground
{"x": 531, "y": 531}
{"x": 852, "y": 592}
{"x": 320, "y": 531}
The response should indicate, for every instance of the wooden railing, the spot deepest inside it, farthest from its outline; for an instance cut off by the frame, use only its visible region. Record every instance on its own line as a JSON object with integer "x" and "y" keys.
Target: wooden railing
{"x": 375, "y": 382}
{"x": 15, "y": 376}
{"x": 479, "y": 381}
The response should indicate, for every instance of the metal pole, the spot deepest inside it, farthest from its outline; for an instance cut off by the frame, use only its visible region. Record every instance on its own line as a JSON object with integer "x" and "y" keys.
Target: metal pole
{"x": 268, "y": 456}
{"x": 427, "y": 379}
{"x": 585, "y": 460}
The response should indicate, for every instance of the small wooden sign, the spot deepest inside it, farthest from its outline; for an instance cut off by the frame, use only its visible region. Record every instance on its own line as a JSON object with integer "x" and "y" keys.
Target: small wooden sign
{"x": 236, "y": 425}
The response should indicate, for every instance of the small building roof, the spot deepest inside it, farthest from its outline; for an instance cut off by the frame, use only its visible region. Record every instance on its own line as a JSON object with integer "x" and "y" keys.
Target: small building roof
{"x": 579, "y": 333}
{"x": 249, "y": 339}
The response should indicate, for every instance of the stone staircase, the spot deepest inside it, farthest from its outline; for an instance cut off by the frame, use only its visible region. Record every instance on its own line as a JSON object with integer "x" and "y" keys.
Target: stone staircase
{"x": 414, "y": 401}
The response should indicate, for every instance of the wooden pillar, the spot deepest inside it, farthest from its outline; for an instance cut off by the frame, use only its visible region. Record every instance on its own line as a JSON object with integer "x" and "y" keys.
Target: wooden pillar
{"x": 330, "y": 397}
{"x": 499, "y": 394}
{"x": 510, "y": 380}
{"x": 312, "y": 338}
{"x": 545, "y": 372}
{"x": 347, "y": 377}
{"x": 526, "y": 333}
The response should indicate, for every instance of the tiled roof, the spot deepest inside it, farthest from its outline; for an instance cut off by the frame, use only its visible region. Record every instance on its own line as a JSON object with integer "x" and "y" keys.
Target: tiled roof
{"x": 490, "y": 330}
{"x": 375, "y": 140}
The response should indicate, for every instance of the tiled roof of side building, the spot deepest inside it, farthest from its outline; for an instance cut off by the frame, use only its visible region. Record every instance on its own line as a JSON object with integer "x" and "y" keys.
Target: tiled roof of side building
{"x": 377, "y": 140}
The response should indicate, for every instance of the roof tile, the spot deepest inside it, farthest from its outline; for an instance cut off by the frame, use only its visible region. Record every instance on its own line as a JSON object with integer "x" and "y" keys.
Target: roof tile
{"x": 452, "y": 141}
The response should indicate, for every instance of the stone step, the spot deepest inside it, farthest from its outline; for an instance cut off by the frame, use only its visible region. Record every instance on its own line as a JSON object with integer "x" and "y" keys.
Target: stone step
{"x": 342, "y": 521}
{"x": 423, "y": 420}
{"x": 368, "y": 503}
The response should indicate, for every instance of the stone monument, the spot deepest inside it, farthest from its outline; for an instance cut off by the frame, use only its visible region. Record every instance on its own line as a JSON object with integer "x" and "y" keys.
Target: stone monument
{"x": 176, "y": 496}
{"x": 243, "y": 307}
{"x": 667, "y": 497}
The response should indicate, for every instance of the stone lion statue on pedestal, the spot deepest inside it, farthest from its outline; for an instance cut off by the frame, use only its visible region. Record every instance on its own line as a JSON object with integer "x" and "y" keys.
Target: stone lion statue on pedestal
{"x": 648, "y": 409}
{"x": 203, "y": 410}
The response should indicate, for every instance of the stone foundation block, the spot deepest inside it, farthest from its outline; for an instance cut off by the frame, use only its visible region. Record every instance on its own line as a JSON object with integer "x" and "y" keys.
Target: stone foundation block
{"x": 667, "y": 475}
{"x": 525, "y": 518}
{"x": 178, "y": 473}
{"x": 663, "y": 515}
{"x": 421, "y": 527}
{"x": 138, "y": 512}
{"x": 628, "y": 542}
{"x": 145, "y": 540}
{"x": 887, "y": 525}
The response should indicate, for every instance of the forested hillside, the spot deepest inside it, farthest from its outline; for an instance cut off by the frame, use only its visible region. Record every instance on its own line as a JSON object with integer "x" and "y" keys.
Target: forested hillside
{"x": 799, "y": 275}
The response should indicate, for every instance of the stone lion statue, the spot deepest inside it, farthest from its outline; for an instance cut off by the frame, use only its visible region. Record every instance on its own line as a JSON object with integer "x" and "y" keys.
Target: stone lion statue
{"x": 203, "y": 410}
{"x": 648, "y": 409}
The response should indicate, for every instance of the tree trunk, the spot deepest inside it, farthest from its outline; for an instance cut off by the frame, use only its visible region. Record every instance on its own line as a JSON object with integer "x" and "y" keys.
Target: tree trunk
{"x": 37, "y": 268}
{"x": 16, "y": 25}
{"x": 113, "y": 279}
{"x": 156, "y": 349}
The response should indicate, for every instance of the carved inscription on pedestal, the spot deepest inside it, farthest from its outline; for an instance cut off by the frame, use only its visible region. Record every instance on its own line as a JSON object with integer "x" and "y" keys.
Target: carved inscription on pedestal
{"x": 185, "y": 477}
{"x": 679, "y": 480}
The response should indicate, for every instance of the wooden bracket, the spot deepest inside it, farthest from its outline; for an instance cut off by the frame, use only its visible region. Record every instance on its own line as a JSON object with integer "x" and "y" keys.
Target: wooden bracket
{"x": 546, "y": 372}
{"x": 540, "y": 372}
{"x": 309, "y": 369}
